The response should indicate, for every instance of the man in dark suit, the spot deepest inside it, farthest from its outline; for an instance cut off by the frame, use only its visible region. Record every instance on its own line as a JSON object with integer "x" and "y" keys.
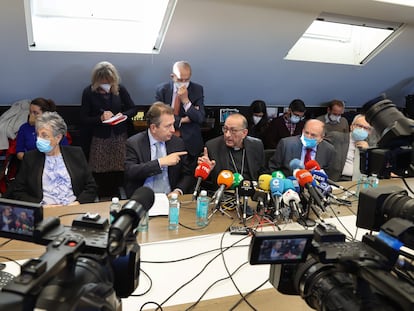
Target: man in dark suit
{"x": 309, "y": 145}
{"x": 235, "y": 151}
{"x": 156, "y": 158}
{"x": 187, "y": 100}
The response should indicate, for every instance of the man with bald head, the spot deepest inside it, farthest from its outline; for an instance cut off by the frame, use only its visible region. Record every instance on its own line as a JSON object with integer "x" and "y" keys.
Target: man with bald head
{"x": 234, "y": 150}
{"x": 308, "y": 146}
{"x": 187, "y": 100}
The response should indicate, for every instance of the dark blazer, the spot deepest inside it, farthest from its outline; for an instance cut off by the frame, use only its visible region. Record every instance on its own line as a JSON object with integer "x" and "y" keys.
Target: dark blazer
{"x": 277, "y": 130}
{"x": 218, "y": 151}
{"x": 291, "y": 148}
{"x": 340, "y": 141}
{"x": 190, "y": 132}
{"x": 139, "y": 166}
{"x": 28, "y": 183}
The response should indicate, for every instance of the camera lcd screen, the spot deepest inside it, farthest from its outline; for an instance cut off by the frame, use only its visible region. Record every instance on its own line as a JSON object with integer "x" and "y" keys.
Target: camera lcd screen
{"x": 19, "y": 218}
{"x": 276, "y": 248}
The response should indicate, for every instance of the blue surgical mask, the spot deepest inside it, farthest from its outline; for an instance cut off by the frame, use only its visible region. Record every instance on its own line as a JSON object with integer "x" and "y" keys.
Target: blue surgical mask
{"x": 295, "y": 119}
{"x": 308, "y": 142}
{"x": 359, "y": 134}
{"x": 43, "y": 145}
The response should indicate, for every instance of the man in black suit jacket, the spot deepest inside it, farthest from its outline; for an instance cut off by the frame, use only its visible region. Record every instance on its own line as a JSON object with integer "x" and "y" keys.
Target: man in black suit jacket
{"x": 190, "y": 114}
{"x": 142, "y": 164}
{"x": 294, "y": 147}
{"x": 235, "y": 151}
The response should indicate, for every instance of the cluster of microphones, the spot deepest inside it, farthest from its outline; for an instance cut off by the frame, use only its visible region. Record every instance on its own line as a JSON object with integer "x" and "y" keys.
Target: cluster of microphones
{"x": 277, "y": 196}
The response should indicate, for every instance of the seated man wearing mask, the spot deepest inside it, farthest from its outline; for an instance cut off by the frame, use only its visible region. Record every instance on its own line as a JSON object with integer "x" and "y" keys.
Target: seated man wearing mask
{"x": 348, "y": 147}
{"x": 308, "y": 146}
{"x": 334, "y": 122}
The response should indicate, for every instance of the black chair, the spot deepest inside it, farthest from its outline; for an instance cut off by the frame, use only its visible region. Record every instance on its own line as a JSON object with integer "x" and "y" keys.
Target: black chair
{"x": 268, "y": 153}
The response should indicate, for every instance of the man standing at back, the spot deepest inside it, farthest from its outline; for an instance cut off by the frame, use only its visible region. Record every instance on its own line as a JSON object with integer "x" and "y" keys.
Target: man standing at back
{"x": 333, "y": 118}
{"x": 187, "y": 100}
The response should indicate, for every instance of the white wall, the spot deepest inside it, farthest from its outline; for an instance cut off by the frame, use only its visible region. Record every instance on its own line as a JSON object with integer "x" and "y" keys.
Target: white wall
{"x": 236, "y": 52}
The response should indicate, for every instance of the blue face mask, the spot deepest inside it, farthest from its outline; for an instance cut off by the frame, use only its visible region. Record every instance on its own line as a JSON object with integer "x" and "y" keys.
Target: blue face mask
{"x": 359, "y": 134}
{"x": 308, "y": 142}
{"x": 43, "y": 145}
{"x": 295, "y": 119}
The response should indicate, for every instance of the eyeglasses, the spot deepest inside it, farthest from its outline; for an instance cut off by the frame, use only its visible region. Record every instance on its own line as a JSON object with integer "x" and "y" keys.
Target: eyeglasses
{"x": 232, "y": 131}
{"x": 368, "y": 128}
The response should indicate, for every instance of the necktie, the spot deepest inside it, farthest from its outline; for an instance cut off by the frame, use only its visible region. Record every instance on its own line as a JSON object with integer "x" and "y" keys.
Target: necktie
{"x": 161, "y": 183}
{"x": 308, "y": 155}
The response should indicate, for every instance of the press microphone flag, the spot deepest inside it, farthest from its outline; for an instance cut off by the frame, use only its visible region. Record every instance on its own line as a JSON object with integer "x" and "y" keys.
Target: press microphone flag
{"x": 312, "y": 165}
{"x": 264, "y": 182}
{"x": 305, "y": 180}
{"x": 201, "y": 173}
{"x": 295, "y": 164}
{"x": 224, "y": 181}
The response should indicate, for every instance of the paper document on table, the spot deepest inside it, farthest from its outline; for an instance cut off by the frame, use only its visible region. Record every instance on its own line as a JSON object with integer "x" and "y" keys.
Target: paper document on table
{"x": 116, "y": 119}
{"x": 160, "y": 206}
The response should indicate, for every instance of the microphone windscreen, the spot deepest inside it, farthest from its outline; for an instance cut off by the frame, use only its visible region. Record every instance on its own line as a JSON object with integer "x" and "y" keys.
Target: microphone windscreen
{"x": 304, "y": 177}
{"x": 319, "y": 176}
{"x": 225, "y": 178}
{"x": 278, "y": 174}
{"x": 295, "y": 164}
{"x": 202, "y": 170}
{"x": 246, "y": 188}
{"x": 144, "y": 196}
{"x": 264, "y": 181}
{"x": 294, "y": 182}
{"x": 312, "y": 165}
{"x": 288, "y": 185}
{"x": 276, "y": 186}
{"x": 237, "y": 179}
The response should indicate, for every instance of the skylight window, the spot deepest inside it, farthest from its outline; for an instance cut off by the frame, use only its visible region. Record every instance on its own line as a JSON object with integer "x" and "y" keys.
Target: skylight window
{"x": 121, "y": 26}
{"x": 343, "y": 40}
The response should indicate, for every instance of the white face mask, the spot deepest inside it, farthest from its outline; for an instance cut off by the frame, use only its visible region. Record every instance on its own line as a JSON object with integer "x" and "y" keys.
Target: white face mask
{"x": 334, "y": 119}
{"x": 181, "y": 84}
{"x": 256, "y": 119}
{"x": 106, "y": 87}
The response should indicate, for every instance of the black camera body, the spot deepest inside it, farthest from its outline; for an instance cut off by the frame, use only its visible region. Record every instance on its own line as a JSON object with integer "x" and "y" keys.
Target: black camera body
{"x": 76, "y": 272}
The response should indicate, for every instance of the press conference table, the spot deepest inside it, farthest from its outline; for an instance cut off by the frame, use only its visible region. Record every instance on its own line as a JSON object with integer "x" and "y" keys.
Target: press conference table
{"x": 266, "y": 299}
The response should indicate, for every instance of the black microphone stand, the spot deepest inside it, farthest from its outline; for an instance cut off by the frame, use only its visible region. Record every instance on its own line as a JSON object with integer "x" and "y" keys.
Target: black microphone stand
{"x": 219, "y": 208}
{"x": 304, "y": 217}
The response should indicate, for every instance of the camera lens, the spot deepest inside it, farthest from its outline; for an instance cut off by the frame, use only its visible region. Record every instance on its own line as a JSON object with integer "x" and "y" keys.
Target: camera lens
{"x": 399, "y": 205}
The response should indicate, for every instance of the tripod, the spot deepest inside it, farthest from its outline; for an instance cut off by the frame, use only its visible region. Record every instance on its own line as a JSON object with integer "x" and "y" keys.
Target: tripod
{"x": 218, "y": 207}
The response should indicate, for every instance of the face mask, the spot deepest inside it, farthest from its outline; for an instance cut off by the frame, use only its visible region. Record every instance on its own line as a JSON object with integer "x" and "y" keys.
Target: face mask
{"x": 256, "y": 119}
{"x": 308, "y": 142}
{"x": 295, "y": 119}
{"x": 359, "y": 134}
{"x": 106, "y": 87}
{"x": 334, "y": 119}
{"x": 43, "y": 145}
{"x": 181, "y": 84}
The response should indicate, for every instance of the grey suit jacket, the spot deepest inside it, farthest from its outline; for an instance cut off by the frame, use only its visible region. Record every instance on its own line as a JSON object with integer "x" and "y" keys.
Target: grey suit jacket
{"x": 218, "y": 151}
{"x": 139, "y": 166}
{"x": 291, "y": 148}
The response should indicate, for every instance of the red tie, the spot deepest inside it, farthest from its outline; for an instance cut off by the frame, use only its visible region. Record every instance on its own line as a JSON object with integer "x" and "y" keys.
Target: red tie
{"x": 308, "y": 155}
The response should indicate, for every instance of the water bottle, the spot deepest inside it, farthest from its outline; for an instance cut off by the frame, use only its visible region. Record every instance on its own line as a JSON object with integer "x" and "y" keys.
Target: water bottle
{"x": 114, "y": 209}
{"x": 373, "y": 181}
{"x": 174, "y": 212}
{"x": 362, "y": 183}
{"x": 202, "y": 209}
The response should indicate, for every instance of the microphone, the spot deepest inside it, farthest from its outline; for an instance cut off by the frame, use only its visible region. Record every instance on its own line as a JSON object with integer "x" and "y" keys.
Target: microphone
{"x": 246, "y": 190}
{"x": 295, "y": 183}
{"x": 201, "y": 173}
{"x": 276, "y": 188}
{"x": 224, "y": 181}
{"x": 288, "y": 184}
{"x": 128, "y": 218}
{"x": 237, "y": 179}
{"x": 295, "y": 164}
{"x": 264, "y": 181}
{"x": 278, "y": 174}
{"x": 292, "y": 199}
{"x": 305, "y": 180}
{"x": 261, "y": 198}
{"x": 312, "y": 165}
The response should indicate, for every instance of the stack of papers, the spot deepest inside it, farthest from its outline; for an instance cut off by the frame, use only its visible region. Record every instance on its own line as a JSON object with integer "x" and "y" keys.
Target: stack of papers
{"x": 160, "y": 206}
{"x": 116, "y": 119}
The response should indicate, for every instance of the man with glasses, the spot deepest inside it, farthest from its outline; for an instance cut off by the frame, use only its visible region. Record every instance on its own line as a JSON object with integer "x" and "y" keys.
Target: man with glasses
{"x": 289, "y": 124}
{"x": 234, "y": 150}
{"x": 187, "y": 100}
{"x": 156, "y": 158}
{"x": 348, "y": 147}
{"x": 334, "y": 122}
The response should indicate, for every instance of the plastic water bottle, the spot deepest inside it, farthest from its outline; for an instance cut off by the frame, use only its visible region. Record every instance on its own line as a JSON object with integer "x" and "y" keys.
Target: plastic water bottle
{"x": 373, "y": 180}
{"x": 114, "y": 209}
{"x": 362, "y": 183}
{"x": 202, "y": 209}
{"x": 174, "y": 212}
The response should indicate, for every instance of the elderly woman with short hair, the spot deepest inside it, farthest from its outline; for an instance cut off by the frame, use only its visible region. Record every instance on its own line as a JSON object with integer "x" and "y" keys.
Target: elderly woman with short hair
{"x": 53, "y": 174}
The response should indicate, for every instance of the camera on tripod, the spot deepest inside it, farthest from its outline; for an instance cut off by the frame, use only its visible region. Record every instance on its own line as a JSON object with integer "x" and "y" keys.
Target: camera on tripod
{"x": 332, "y": 274}
{"x": 88, "y": 266}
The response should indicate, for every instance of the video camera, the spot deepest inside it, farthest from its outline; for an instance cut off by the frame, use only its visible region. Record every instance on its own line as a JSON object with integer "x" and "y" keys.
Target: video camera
{"x": 394, "y": 153}
{"x": 331, "y": 274}
{"x": 88, "y": 266}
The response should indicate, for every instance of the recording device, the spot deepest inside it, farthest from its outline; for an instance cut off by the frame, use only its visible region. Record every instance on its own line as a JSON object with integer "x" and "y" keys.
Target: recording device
{"x": 296, "y": 164}
{"x": 331, "y": 274}
{"x": 224, "y": 181}
{"x": 276, "y": 189}
{"x": 305, "y": 180}
{"x": 394, "y": 153}
{"x": 201, "y": 173}
{"x": 312, "y": 165}
{"x": 292, "y": 200}
{"x": 246, "y": 190}
{"x": 80, "y": 269}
